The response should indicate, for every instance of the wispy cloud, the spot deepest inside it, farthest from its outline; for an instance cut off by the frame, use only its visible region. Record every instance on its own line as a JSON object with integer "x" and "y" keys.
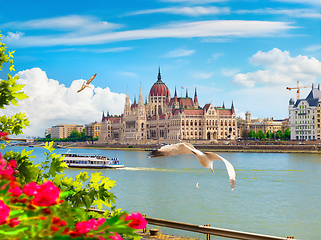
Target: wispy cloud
{"x": 312, "y": 2}
{"x": 313, "y": 48}
{"x": 230, "y": 72}
{"x": 178, "y": 53}
{"x": 128, "y": 74}
{"x": 215, "y": 56}
{"x": 65, "y": 23}
{"x": 295, "y": 13}
{"x": 102, "y": 50}
{"x": 219, "y": 28}
{"x": 190, "y": 11}
{"x": 202, "y": 75}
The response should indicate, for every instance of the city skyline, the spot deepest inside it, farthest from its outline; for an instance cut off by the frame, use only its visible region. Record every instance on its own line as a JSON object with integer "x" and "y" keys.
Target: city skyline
{"x": 247, "y": 52}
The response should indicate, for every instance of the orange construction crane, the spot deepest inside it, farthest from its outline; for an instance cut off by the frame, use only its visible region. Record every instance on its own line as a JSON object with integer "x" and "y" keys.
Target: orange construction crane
{"x": 298, "y": 91}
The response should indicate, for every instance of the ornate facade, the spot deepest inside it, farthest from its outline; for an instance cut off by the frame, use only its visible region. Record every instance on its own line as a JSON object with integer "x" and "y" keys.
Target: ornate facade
{"x": 168, "y": 119}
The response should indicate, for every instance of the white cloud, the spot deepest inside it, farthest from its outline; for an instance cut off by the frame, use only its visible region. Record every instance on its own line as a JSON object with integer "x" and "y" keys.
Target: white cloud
{"x": 94, "y": 50}
{"x": 229, "y": 72}
{"x": 280, "y": 69}
{"x": 215, "y": 56}
{"x": 178, "y": 53}
{"x": 15, "y": 36}
{"x": 202, "y": 75}
{"x": 313, "y": 48}
{"x": 189, "y": 11}
{"x": 312, "y": 2}
{"x": 296, "y": 13}
{"x": 215, "y": 28}
{"x": 65, "y": 23}
{"x": 51, "y": 103}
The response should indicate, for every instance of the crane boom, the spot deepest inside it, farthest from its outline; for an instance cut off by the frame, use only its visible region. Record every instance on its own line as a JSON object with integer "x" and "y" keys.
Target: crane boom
{"x": 298, "y": 91}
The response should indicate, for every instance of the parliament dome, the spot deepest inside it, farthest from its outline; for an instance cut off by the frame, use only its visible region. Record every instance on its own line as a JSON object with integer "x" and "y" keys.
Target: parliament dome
{"x": 159, "y": 88}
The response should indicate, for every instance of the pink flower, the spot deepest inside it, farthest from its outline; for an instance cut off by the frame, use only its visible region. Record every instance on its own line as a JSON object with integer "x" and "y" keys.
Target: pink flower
{"x": 45, "y": 194}
{"x": 13, "y": 163}
{"x": 116, "y": 237}
{"x": 138, "y": 222}
{"x": 84, "y": 226}
{"x": 13, "y": 222}
{"x": 15, "y": 191}
{"x": 4, "y": 136}
{"x": 87, "y": 226}
{"x": 4, "y": 212}
{"x": 31, "y": 189}
{"x": 5, "y": 169}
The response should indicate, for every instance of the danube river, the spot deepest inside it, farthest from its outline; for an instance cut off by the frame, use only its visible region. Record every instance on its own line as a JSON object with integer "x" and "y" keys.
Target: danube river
{"x": 275, "y": 194}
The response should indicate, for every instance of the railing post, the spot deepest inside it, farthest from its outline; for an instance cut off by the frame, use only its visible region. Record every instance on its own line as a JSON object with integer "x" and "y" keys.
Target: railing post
{"x": 144, "y": 230}
{"x": 208, "y": 236}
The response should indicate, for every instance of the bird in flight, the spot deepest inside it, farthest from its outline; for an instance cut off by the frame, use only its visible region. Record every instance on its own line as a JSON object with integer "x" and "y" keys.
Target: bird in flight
{"x": 205, "y": 158}
{"x": 197, "y": 185}
{"x": 86, "y": 84}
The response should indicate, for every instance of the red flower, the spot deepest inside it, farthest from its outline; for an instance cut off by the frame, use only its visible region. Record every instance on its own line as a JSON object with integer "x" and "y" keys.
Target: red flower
{"x": 13, "y": 222}
{"x": 4, "y": 212}
{"x": 45, "y": 194}
{"x": 84, "y": 227}
{"x": 5, "y": 169}
{"x": 116, "y": 237}
{"x": 138, "y": 222}
{"x": 4, "y": 136}
{"x": 13, "y": 163}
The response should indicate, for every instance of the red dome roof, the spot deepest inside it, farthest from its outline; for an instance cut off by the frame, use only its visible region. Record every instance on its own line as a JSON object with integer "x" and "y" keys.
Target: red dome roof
{"x": 159, "y": 88}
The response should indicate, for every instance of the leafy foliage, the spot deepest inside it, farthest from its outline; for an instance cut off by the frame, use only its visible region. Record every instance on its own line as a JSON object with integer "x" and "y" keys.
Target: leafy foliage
{"x": 83, "y": 191}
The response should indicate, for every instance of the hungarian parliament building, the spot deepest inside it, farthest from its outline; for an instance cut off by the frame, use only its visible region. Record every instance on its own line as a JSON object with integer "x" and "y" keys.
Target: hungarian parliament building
{"x": 167, "y": 119}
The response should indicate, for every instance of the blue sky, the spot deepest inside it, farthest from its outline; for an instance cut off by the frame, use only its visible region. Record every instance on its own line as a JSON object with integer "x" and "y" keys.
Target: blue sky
{"x": 245, "y": 51}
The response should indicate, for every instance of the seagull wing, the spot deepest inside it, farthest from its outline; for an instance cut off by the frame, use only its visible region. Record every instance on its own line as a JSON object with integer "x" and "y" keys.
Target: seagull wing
{"x": 90, "y": 79}
{"x": 82, "y": 87}
{"x": 230, "y": 169}
{"x": 171, "y": 150}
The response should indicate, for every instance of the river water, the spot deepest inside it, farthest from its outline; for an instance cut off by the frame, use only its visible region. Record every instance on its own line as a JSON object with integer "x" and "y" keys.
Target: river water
{"x": 275, "y": 194}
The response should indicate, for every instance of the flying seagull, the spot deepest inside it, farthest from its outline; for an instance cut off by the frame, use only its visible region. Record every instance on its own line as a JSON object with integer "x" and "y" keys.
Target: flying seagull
{"x": 205, "y": 159}
{"x": 86, "y": 84}
{"x": 197, "y": 185}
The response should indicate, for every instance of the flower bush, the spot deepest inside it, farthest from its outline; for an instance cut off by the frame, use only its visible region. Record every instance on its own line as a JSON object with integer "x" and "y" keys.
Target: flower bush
{"x": 38, "y": 211}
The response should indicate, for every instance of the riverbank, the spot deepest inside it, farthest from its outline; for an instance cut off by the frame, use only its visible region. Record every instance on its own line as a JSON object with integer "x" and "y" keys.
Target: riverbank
{"x": 245, "y": 148}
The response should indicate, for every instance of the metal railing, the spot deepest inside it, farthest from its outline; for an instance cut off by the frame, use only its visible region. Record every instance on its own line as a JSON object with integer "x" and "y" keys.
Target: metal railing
{"x": 207, "y": 230}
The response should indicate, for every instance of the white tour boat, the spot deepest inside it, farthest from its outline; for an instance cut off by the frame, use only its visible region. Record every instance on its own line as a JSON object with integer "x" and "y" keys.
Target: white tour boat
{"x": 81, "y": 160}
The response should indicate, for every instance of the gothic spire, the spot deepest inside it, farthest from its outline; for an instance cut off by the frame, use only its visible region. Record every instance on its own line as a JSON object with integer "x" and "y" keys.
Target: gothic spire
{"x": 159, "y": 78}
{"x": 223, "y": 105}
{"x": 186, "y": 93}
{"x": 195, "y": 97}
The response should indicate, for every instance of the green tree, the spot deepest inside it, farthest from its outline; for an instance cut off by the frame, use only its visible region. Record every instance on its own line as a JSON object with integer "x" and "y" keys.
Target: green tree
{"x": 287, "y": 134}
{"x": 74, "y": 134}
{"x": 261, "y": 135}
{"x": 252, "y": 134}
{"x": 278, "y": 134}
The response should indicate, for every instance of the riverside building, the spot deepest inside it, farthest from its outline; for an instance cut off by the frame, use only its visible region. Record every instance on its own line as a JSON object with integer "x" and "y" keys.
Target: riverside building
{"x": 166, "y": 119}
{"x": 304, "y": 116}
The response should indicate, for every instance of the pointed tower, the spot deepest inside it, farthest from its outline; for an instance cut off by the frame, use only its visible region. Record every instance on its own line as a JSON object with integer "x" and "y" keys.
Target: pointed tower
{"x": 127, "y": 109}
{"x": 223, "y": 105}
{"x": 232, "y": 108}
{"x": 167, "y": 99}
{"x": 134, "y": 104}
{"x": 141, "y": 131}
{"x": 186, "y": 93}
{"x": 195, "y": 104}
{"x": 175, "y": 96}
